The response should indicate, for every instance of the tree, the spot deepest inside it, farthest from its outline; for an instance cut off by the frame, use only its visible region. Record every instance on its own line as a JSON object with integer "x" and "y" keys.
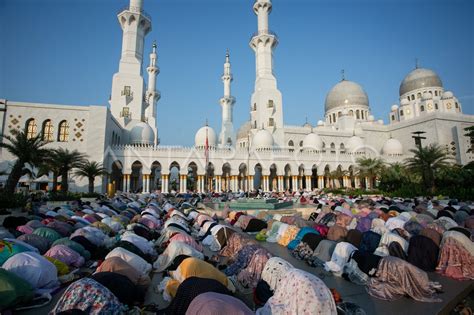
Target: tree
{"x": 370, "y": 168}
{"x": 336, "y": 176}
{"x": 64, "y": 161}
{"x": 393, "y": 177}
{"x": 26, "y": 150}
{"x": 426, "y": 162}
{"x": 90, "y": 170}
{"x": 470, "y": 134}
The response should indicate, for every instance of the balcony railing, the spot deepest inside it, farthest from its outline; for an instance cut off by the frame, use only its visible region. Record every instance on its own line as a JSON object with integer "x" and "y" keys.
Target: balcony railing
{"x": 127, "y": 7}
{"x": 264, "y": 32}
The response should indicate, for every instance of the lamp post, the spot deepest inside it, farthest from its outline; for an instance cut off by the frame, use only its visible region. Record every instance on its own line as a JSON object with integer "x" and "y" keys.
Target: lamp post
{"x": 417, "y": 136}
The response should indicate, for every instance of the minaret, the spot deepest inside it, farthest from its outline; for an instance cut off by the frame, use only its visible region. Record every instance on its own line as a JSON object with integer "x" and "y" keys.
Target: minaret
{"x": 266, "y": 103}
{"x": 152, "y": 94}
{"x": 127, "y": 102}
{"x": 227, "y": 136}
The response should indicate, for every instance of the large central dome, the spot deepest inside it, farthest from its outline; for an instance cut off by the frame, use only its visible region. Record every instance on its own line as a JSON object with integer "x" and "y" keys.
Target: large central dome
{"x": 418, "y": 79}
{"x": 346, "y": 93}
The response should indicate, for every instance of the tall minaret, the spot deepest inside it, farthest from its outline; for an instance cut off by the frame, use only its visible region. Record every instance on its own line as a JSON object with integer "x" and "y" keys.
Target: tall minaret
{"x": 127, "y": 99}
{"x": 227, "y": 135}
{"x": 266, "y": 102}
{"x": 152, "y": 94}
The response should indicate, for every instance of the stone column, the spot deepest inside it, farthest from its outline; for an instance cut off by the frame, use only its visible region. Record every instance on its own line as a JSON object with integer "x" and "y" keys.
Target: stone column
{"x": 164, "y": 183}
{"x": 280, "y": 183}
{"x": 367, "y": 183}
{"x": 145, "y": 181}
{"x": 250, "y": 179}
{"x": 308, "y": 183}
{"x": 287, "y": 182}
{"x": 320, "y": 182}
{"x": 295, "y": 183}
{"x": 265, "y": 183}
{"x": 357, "y": 182}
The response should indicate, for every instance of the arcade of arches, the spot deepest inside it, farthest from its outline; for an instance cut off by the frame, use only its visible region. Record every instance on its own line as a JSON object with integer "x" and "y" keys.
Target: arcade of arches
{"x": 225, "y": 178}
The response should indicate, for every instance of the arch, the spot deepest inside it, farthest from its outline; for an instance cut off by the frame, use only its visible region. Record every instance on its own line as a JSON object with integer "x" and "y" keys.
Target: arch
{"x": 342, "y": 147}
{"x": 291, "y": 145}
{"x": 191, "y": 176}
{"x": 210, "y": 172}
{"x": 339, "y": 114}
{"x": 301, "y": 177}
{"x": 287, "y": 177}
{"x": 30, "y": 128}
{"x": 257, "y": 179}
{"x": 136, "y": 177}
{"x": 116, "y": 175}
{"x": 173, "y": 181}
{"x": 351, "y": 174}
{"x": 63, "y": 131}
{"x": 422, "y": 108}
{"x": 351, "y": 112}
{"x": 47, "y": 131}
{"x": 314, "y": 176}
{"x": 226, "y": 171}
{"x": 243, "y": 177}
{"x": 273, "y": 178}
{"x": 333, "y": 147}
{"x": 155, "y": 176}
{"x": 357, "y": 114}
{"x": 327, "y": 173}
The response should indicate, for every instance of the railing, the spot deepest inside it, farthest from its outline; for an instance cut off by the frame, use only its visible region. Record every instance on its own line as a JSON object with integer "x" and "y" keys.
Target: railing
{"x": 264, "y": 32}
{"x": 128, "y": 8}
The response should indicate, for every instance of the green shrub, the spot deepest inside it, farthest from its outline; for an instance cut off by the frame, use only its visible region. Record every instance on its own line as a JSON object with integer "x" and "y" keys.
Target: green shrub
{"x": 12, "y": 200}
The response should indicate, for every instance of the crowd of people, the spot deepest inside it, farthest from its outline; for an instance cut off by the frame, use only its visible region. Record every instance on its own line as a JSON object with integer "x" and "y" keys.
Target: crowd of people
{"x": 101, "y": 257}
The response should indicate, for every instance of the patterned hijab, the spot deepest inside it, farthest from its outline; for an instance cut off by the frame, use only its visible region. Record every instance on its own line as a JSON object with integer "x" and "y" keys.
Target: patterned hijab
{"x": 274, "y": 270}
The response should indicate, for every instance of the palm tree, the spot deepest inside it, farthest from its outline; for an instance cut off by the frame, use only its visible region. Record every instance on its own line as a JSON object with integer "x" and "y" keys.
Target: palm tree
{"x": 336, "y": 175}
{"x": 91, "y": 170}
{"x": 426, "y": 162}
{"x": 393, "y": 177}
{"x": 26, "y": 150}
{"x": 64, "y": 160}
{"x": 370, "y": 168}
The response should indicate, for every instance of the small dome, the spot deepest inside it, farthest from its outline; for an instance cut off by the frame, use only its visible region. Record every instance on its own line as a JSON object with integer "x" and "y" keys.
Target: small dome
{"x": 392, "y": 147}
{"x": 142, "y": 133}
{"x": 244, "y": 130}
{"x": 346, "y": 93}
{"x": 447, "y": 94}
{"x": 404, "y": 101}
{"x": 202, "y": 133}
{"x": 418, "y": 79}
{"x": 263, "y": 139}
{"x": 320, "y": 123}
{"x": 394, "y": 108}
{"x": 312, "y": 141}
{"x": 427, "y": 96}
{"x": 354, "y": 143}
{"x": 371, "y": 118}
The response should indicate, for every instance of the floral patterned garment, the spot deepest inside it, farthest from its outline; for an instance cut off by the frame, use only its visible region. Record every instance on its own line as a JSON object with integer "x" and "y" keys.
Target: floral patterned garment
{"x": 89, "y": 296}
{"x": 455, "y": 261}
{"x": 303, "y": 294}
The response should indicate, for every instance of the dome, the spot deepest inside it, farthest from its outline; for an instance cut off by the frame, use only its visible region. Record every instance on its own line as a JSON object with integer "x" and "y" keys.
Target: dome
{"x": 371, "y": 118}
{"x": 354, "y": 143}
{"x": 394, "y": 108}
{"x": 346, "y": 93}
{"x": 312, "y": 141}
{"x": 142, "y": 133}
{"x": 418, "y": 79}
{"x": 263, "y": 139}
{"x": 392, "y": 147}
{"x": 320, "y": 123}
{"x": 447, "y": 94}
{"x": 243, "y": 131}
{"x": 200, "y": 137}
{"x": 404, "y": 101}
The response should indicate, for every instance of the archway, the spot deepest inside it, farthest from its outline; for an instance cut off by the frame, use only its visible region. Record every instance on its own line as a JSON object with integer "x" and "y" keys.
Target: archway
{"x": 287, "y": 178}
{"x": 243, "y": 177}
{"x": 257, "y": 179}
{"x": 173, "y": 182}
{"x": 327, "y": 177}
{"x": 301, "y": 177}
{"x": 226, "y": 177}
{"x": 273, "y": 180}
{"x": 192, "y": 177}
{"x": 116, "y": 176}
{"x": 155, "y": 176}
{"x": 314, "y": 176}
{"x": 210, "y": 182}
{"x": 351, "y": 174}
{"x": 136, "y": 178}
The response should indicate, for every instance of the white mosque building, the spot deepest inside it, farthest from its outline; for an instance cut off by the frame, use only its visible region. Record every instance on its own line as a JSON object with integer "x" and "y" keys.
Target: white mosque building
{"x": 264, "y": 152}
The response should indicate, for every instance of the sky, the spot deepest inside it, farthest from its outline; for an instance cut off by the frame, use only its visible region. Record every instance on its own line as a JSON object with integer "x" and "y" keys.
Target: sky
{"x": 66, "y": 52}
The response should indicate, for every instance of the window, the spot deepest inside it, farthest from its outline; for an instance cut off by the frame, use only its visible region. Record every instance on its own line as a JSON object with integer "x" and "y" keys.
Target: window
{"x": 362, "y": 114}
{"x": 401, "y": 112}
{"x": 436, "y": 105}
{"x": 357, "y": 114}
{"x": 290, "y": 143}
{"x": 125, "y": 112}
{"x": 351, "y": 113}
{"x": 270, "y": 104}
{"x": 30, "y": 128}
{"x": 330, "y": 119}
{"x": 436, "y": 93}
{"x": 339, "y": 114}
{"x": 422, "y": 108}
{"x": 456, "y": 105}
{"x": 254, "y": 106}
{"x": 255, "y": 124}
{"x": 47, "y": 131}
{"x": 418, "y": 95}
{"x": 63, "y": 134}
{"x": 413, "y": 97}
{"x": 127, "y": 91}
{"x": 301, "y": 143}
{"x": 271, "y": 122}
{"x": 334, "y": 117}
{"x": 393, "y": 117}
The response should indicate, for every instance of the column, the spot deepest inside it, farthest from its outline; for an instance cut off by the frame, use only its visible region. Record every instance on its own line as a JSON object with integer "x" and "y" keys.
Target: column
{"x": 308, "y": 183}
{"x": 164, "y": 183}
{"x": 218, "y": 183}
{"x": 250, "y": 182}
{"x": 300, "y": 182}
{"x": 295, "y": 183}
{"x": 287, "y": 182}
{"x": 320, "y": 182}
{"x": 367, "y": 183}
{"x": 280, "y": 183}
{"x": 145, "y": 180}
{"x": 265, "y": 183}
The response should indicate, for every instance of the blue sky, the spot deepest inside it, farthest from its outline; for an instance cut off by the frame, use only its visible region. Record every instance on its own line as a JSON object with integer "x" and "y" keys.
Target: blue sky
{"x": 66, "y": 51}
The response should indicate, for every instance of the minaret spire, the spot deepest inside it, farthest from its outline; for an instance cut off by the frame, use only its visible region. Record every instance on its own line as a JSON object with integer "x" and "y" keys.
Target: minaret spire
{"x": 266, "y": 104}
{"x": 227, "y": 135}
{"x": 152, "y": 94}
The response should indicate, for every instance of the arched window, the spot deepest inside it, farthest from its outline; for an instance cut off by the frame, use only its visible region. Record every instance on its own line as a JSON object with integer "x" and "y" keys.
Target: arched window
{"x": 330, "y": 119}
{"x": 333, "y": 117}
{"x": 63, "y": 132}
{"x": 418, "y": 95}
{"x": 413, "y": 97}
{"x": 393, "y": 117}
{"x": 30, "y": 128}
{"x": 301, "y": 143}
{"x": 339, "y": 114}
{"x": 422, "y": 108}
{"x": 362, "y": 114}
{"x": 290, "y": 143}
{"x": 47, "y": 130}
{"x": 357, "y": 114}
{"x": 401, "y": 112}
{"x": 342, "y": 147}
{"x": 351, "y": 113}
{"x": 436, "y": 93}
{"x": 436, "y": 105}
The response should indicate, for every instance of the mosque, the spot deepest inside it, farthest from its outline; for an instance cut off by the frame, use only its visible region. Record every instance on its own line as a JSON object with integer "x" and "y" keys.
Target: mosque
{"x": 264, "y": 152}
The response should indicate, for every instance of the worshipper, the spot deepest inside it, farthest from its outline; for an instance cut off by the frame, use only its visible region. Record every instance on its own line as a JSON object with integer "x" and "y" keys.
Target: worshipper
{"x": 396, "y": 278}
{"x": 456, "y": 258}
{"x": 423, "y": 253}
{"x": 217, "y": 303}
{"x": 119, "y": 266}
{"x": 250, "y": 275}
{"x": 173, "y": 250}
{"x": 300, "y": 293}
